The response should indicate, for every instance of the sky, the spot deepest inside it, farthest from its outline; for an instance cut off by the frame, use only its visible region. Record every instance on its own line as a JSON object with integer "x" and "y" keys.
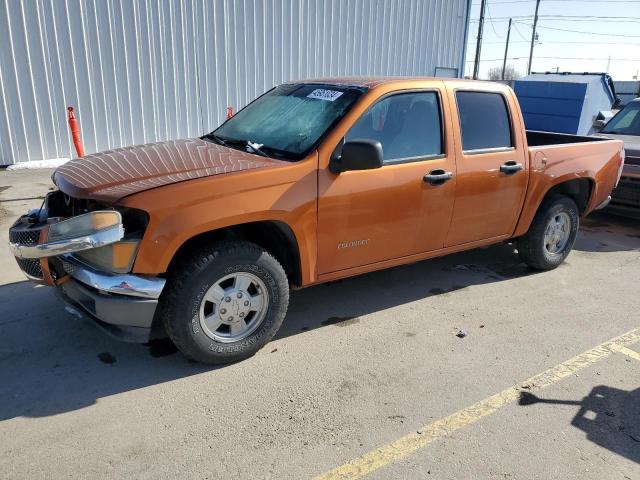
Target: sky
{"x": 599, "y": 29}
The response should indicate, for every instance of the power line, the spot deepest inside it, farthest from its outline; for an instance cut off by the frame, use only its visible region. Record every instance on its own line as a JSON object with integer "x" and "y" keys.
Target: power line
{"x": 563, "y": 1}
{"x": 583, "y": 16}
{"x": 583, "y": 32}
{"x": 493, "y": 27}
{"x": 515, "y": 26}
{"x": 563, "y": 42}
{"x": 572, "y": 19}
{"x": 562, "y": 58}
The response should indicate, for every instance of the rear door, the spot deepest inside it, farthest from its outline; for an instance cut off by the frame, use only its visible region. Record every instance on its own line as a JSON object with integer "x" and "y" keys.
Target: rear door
{"x": 492, "y": 164}
{"x": 369, "y": 216}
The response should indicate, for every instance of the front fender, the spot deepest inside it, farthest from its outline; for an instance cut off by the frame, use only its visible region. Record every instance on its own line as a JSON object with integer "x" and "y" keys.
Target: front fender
{"x": 184, "y": 210}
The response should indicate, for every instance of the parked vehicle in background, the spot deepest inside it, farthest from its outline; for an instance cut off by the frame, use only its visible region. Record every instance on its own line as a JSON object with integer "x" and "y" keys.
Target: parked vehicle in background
{"x": 627, "y": 91}
{"x": 313, "y": 181}
{"x": 625, "y": 126}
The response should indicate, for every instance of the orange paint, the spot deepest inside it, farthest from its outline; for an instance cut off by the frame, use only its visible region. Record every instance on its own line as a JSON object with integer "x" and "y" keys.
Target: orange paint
{"x": 75, "y": 132}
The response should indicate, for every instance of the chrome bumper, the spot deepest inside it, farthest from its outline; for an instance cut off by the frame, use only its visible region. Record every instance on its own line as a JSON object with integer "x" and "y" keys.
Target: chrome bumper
{"x": 127, "y": 284}
{"x": 603, "y": 204}
{"x": 52, "y": 249}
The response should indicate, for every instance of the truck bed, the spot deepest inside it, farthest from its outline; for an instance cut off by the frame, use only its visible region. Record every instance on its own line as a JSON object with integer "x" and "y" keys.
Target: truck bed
{"x": 558, "y": 157}
{"x": 537, "y": 138}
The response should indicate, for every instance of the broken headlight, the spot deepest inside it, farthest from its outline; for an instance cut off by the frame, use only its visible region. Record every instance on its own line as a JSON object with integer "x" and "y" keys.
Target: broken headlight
{"x": 84, "y": 225}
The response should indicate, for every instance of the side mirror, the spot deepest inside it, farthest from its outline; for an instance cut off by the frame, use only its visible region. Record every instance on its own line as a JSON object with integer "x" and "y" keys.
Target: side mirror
{"x": 602, "y": 118}
{"x": 359, "y": 154}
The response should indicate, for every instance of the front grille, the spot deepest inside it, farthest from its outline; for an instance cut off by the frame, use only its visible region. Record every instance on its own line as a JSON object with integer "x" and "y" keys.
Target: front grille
{"x": 68, "y": 267}
{"x": 24, "y": 234}
{"x": 629, "y": 160}
{"x": 30, "y": 266}
{"x": 627, "y": 192}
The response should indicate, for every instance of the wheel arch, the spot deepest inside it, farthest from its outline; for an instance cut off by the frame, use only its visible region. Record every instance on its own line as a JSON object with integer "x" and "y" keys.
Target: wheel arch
{"x": 580, "y": 190}
{"x": 274, "y": 236}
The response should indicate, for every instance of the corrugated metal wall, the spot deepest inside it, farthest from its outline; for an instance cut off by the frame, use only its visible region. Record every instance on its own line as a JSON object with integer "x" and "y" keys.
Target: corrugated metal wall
{"x": 145, "y": 70}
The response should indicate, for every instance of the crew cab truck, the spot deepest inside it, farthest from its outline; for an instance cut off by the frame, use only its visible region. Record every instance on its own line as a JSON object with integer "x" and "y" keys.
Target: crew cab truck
{"x": 314, "y": 181}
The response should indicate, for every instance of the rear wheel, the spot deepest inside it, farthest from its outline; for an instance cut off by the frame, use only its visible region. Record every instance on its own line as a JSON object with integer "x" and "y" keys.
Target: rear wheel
{"x": 551, "y": 235}
{"x": 225, "y": 302}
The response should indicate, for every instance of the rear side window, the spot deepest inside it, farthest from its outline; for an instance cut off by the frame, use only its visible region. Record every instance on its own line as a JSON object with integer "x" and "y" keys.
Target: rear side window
{"x": 407, "y": 125}
{"x": 484, "y": 120}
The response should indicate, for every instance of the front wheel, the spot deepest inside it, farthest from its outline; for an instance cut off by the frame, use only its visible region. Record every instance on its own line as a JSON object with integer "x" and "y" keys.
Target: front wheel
{"x": 551, "y": 235}
{"x": 225, "y": 302}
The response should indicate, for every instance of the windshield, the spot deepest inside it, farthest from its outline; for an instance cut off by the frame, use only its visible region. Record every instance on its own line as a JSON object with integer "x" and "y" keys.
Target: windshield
{"x": 626, "y": 122}
{"x": 288, "y": 121}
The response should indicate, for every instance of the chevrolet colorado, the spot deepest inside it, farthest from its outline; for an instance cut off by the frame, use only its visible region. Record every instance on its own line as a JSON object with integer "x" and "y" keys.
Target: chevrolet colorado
{"x": 315, "y": 180}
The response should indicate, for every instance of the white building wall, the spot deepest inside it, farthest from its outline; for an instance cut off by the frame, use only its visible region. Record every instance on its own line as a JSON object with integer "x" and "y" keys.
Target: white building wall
{"x": 139, "y": 71}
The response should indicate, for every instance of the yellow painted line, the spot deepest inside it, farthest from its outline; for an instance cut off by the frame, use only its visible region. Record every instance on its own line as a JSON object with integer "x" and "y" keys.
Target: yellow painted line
{"x": 409, "y": 444}
{"x": 628, "y": 352}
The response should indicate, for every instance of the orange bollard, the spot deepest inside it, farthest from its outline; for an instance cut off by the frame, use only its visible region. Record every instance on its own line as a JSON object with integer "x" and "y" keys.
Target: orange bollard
{"x": 229, "y": 112}
{"x": 75, "y": 132}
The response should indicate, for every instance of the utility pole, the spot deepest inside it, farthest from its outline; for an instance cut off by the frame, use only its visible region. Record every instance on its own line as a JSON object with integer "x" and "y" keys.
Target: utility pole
{"x": 533, "y": 36}
{"x": 476, "y": 65}
{"x": 608, "y": 64}
{"x": 506, "y": 49}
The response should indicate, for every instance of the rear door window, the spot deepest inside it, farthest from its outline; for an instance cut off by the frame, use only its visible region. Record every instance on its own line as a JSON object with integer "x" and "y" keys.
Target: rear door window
{"x": 484, "y": 121}
{"x": 408, "y": 125}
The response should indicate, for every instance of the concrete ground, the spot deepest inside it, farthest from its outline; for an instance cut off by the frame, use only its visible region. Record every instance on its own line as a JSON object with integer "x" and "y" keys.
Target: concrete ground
{"x": 358, "y": 364}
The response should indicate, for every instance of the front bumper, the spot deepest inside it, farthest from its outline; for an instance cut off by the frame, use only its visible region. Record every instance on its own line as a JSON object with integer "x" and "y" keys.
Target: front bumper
{"x": 127, "y": 318}
{"x": 52, "y": 249}
{"x": 128, "y": 285}
{"x": 604, "y": 203}
{"x": 627, "y": 194}
{"x": 123, "y": 305}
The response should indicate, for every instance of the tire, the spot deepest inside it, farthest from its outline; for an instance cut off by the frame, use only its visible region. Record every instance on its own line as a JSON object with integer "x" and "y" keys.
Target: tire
{"x": 539, "y": 248}
{"x": 215, "y": 284}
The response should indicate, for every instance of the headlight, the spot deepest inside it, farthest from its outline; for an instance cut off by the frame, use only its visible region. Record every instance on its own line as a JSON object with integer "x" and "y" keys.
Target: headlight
{"x": 115, "y": 258}
{"x": 84, "y": 225}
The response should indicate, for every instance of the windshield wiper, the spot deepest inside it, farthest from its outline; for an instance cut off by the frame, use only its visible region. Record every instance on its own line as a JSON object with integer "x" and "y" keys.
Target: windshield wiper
{"x": 248, "y": 145}
{"x": 216, "y": 139}
{"x": 256, "y": 147}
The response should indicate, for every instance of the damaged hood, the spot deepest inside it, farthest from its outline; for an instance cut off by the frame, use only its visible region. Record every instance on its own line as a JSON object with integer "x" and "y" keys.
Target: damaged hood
{"x": 113, "y": 174}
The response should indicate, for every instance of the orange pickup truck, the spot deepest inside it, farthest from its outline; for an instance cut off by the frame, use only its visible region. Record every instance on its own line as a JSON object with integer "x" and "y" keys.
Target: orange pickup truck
{"x": 201, "y": 239}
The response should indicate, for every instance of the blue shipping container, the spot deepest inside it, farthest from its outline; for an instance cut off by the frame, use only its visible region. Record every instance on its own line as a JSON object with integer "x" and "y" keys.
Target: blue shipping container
{"x": 563, "y": 102}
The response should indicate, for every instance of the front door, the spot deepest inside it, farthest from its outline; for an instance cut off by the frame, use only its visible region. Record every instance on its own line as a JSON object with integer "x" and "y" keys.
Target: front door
{"x": 492, "y": 163}
{"x": 369, "y": 216}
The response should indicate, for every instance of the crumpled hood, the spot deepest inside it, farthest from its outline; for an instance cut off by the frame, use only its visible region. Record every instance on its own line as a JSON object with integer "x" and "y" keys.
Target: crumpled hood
{"x": 114, "y": 174}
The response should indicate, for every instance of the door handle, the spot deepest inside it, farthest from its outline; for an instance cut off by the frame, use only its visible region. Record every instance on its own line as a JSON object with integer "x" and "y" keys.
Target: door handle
{"x": 437, "y": 177}
{"x": 511, "y": 167}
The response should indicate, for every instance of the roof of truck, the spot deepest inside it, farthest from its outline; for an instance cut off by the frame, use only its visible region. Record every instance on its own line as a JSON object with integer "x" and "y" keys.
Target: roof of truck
{"x": 368, "y": 82}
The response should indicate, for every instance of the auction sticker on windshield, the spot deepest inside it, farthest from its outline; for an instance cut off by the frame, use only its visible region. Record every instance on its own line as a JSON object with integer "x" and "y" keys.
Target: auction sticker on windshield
{"x": 322, "y": 94}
